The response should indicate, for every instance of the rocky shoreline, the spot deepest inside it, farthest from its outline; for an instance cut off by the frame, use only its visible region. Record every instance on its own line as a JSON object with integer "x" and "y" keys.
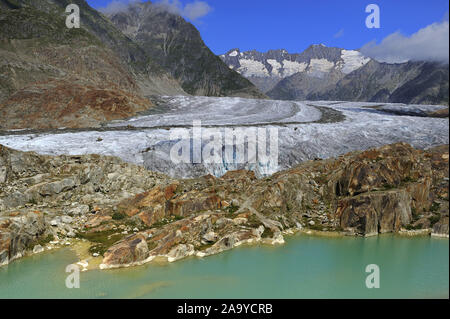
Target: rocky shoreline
{"x": 124, "y": 215}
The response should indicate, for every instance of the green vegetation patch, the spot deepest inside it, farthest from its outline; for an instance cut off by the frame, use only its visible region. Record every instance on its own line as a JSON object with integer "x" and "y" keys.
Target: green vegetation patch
{"x": 414, "y": 213}
{"x": 151, "y": 245}
{"x": 434, "y": 219}
{"x": 44, "y": 241}
{"x": 268, "y": 233}
{"x": 203, "y": 246}
{"x": 317, "y": 226}
{"x": 166, "y": 221}
{"x": 435, "y": 207}
{"x": 118, "y": 216}
{"x": 387, "y": 186}
{"x": 253, "y": 221}
{"x": 412, "y": 227}
{"x": 409, "y": 179}
{"x": 231, "y": 210}
{"x": 103, "y": 240}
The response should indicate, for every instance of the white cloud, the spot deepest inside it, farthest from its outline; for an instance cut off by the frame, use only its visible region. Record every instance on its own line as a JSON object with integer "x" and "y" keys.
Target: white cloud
{"x": 172, "y": 6}
{"x": 428, "y": 44}
{"x": 192, "y": 11}
{"x": 196, "y": 10}
{"x": 117, "y": 6}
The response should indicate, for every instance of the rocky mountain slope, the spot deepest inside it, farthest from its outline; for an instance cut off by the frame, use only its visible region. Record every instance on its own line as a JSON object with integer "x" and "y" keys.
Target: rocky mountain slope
{"x": 411, "y": 82}
{"x": 52, "y": 76}
{"x": 324, "y": 73}
{"x": 177, "y": 46}
{"x": 128, "y": 215}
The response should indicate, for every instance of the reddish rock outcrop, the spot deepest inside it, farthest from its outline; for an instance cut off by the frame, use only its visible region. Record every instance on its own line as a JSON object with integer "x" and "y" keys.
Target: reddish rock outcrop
{"x": 130, "y": 250}
{"x": 375, "y": 212}
{"x": 162, "y": 202}
{"x": 70, "y": 104}
{"x": 19, "y": 234}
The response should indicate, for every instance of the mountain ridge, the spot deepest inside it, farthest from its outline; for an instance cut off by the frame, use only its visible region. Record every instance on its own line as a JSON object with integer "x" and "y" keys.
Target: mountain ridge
{"x": 328, "y": 73}
{"x": 45, "y": 67}
{"x": 265, "y": 70}
{"x": 177, "y": 46}
{"x": 410, "y": 83}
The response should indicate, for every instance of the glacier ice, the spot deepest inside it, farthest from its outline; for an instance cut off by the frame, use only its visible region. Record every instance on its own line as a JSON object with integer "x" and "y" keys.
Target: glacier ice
{"x": 302, "y": 133}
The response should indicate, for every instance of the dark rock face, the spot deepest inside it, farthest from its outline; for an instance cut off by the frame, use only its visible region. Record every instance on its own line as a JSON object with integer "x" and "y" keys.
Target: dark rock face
{"x": 133, "y": 57}
{"x": 410, "y": 83}
{"x": 53, "y": 76}
{"x": 429, "y": 87}
{"x": 440, "y": 229}
{"x": 177, "y": 46}
{"x": 302, "y": 86}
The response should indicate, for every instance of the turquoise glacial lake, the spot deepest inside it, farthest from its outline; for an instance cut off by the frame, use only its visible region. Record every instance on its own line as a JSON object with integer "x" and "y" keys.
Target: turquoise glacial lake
{"x": 304, "y": 267}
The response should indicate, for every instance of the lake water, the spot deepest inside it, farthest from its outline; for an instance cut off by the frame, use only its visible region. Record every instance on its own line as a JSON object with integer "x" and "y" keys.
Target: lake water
{"x": 305, "y": 267}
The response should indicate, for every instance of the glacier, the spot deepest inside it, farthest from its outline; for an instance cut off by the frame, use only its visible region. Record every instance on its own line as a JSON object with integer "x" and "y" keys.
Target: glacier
{"x": 304, "y": 132}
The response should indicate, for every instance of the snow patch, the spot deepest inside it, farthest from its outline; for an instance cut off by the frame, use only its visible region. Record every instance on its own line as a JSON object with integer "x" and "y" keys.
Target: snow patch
{"x": 353, "y": 60}
{"x": 276, "y": 66}
{"x": 252, "y": 68}
{"x": 292, "y": 67}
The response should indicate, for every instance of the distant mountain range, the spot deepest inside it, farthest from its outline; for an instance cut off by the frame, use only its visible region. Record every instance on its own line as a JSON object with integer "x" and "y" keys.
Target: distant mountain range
{"x": 327, "y": 73}
{"x": 52, "y": 76}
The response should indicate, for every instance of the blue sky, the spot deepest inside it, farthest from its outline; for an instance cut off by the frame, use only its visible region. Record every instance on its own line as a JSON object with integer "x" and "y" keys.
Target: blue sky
{"x": 295, "y": 24}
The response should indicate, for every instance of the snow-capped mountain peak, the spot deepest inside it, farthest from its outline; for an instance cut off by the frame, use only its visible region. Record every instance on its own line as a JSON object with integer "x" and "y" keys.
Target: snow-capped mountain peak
{"x": 265, "y": 70}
